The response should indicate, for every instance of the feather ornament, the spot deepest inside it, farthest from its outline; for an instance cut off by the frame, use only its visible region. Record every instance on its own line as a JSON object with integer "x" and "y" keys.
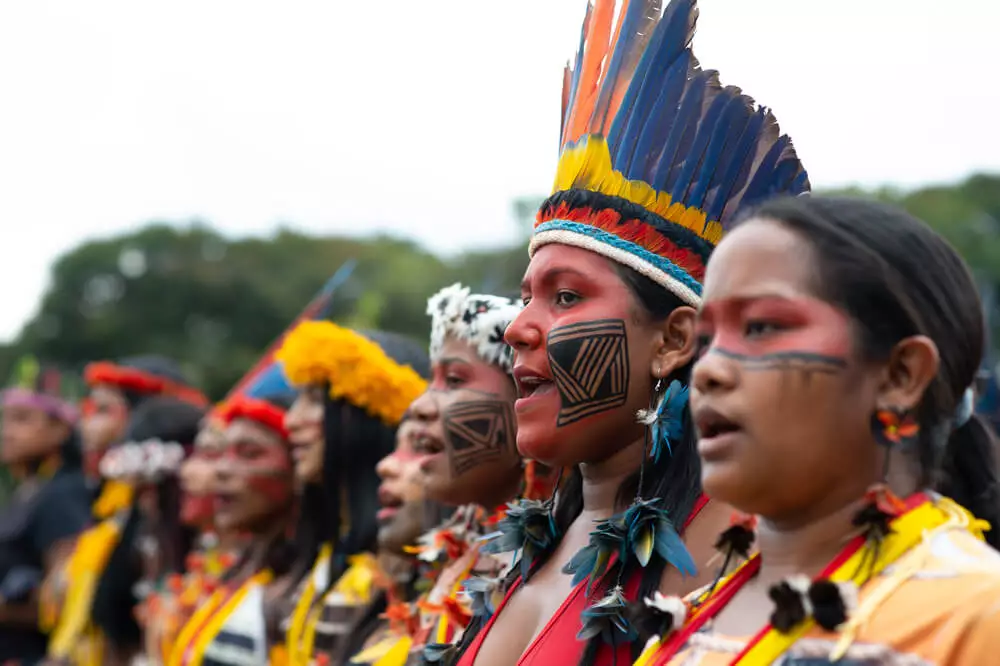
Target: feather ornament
{"x": 667, "y": 420}
{"x": 635, "y": 29}
{"x": 528, "y": 527}
{"x": 657, "y": 616}
{"x": 595, "y": 50}
{"x": 640, "y": 531}
{"x": 678, "y": 143}
{"x": 608, "y": 619}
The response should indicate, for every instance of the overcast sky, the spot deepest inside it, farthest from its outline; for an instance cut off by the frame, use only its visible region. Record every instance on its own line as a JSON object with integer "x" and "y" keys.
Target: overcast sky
{"x": 423, "y": 118}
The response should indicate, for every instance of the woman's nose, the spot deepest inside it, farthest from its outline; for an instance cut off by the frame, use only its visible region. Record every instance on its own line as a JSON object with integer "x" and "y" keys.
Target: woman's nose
{"x": 523, "y": 333}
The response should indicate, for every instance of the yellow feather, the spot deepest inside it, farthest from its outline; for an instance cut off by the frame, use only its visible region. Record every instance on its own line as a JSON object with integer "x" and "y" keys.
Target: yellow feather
{"x": 587, "y": 166}
{"x": 644, "y": 545}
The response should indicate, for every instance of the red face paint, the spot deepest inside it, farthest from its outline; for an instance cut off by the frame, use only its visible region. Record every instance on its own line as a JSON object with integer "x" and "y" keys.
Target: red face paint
{"x": 776, "y": 333}
{"x": 254, "y": 477}
{"x": 196, "y": 510}
{"x": 273, "y": 488}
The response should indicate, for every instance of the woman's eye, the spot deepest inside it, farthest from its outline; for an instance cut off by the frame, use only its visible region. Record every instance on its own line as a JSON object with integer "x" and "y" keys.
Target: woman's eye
{"x": 454, "y": 381}
{"x": 756, "y": 329}
{"x": 525, "y": 300}
{"x": 564, "y": 298}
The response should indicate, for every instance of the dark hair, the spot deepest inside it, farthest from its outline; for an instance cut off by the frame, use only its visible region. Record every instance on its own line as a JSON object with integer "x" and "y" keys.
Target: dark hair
{"x": 354, "y": 443}
{"x": 898, "y": 278}
{"x": 676, "y": 478}
{"x": 152, "y": 364}
{"x": 171, "y": 420}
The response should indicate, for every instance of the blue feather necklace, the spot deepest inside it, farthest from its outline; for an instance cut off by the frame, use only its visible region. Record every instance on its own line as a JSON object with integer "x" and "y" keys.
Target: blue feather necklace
{"x": 640, "y": 531}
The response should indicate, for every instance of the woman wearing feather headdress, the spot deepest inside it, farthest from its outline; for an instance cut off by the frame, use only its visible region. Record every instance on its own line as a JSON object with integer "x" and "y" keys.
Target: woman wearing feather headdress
{"x": 657, "y": 158}
{"x": 838, "y": 345}
{"x": 353, "y": 390}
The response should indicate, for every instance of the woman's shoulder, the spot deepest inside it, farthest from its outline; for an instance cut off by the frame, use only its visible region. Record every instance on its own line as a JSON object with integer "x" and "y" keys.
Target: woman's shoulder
{"x": 939, "y": 603}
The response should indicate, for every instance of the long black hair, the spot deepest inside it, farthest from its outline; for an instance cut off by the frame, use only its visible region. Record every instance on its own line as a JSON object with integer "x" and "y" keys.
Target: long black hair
{"x": 675, "y": 478}
{"x": 168, "y": 419}
{"x": 341, "y": 509}
{"x": 897, "y": 278}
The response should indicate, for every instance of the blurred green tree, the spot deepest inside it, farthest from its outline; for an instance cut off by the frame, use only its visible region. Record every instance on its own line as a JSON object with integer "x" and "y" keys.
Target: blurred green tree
{"x": 215, "y": 303}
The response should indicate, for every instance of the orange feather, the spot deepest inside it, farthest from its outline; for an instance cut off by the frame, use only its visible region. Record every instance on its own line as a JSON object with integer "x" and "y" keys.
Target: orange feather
{"x": 594, "y": 54}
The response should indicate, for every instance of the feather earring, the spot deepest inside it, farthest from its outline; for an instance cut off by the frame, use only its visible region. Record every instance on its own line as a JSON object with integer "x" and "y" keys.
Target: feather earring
{"x": 666, "y": 420}
{"x": 640, "y": 531}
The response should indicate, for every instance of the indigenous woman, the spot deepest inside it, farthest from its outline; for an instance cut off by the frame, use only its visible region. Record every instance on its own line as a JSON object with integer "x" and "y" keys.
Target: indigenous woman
{"x": 166, "y": 611}
{"x": 404, "y": 515}
{"x": 153, "y": 544}
{"x": 657, "y": 157}
{"x": 838, "y": 342}
{"x": 49, "y": 506}
{"x": 254, "y": 493}
{"x": 353, "y": 391}
{"x": 115, "y": 390}
{"x": 464, "y": 434}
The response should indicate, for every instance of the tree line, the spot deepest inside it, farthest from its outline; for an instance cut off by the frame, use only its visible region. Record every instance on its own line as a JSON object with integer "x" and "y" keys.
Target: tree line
{"x": 214, "y": 303}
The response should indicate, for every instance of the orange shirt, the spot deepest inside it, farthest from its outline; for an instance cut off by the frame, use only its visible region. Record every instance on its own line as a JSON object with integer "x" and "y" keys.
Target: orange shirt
{"x": 946, "y": 612}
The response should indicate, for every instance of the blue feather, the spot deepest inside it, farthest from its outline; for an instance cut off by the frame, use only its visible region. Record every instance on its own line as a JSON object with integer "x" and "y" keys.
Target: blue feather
{"x": 733, "y": 174}
{"x": 660, "y": 119}
{"x": 682, "y": 133}
{"x": 760, "y": 183}
{"x": 670, "y": 41}
{"x": 575, "y": 81}
{"x": 632, "y": 39}
{"x": 800, "y": 184}
{"x": 777, "y": 174}
{"x": 640, "y": 96}
{"x": 671, "y": 548}
{"x": 721, "y": 149}
{"x": 669, "y": 425}
{"x": 693, "y": 157}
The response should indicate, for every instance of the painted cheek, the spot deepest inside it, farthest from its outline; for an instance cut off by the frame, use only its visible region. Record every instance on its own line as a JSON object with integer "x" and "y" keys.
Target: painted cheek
{"x": 272, "y": 487}
{"x": 479, "y": 432}
{"x": 590, "y": 367}
{"x": 196, "y": 509}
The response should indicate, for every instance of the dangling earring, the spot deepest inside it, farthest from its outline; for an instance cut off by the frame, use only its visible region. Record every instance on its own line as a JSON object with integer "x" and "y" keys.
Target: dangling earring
{"x": 895, "y": 427}
{"x": 666, "y": 419}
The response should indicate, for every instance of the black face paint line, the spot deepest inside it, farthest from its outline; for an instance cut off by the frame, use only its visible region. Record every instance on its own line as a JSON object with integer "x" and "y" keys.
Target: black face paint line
{"x": 478, "y": 432}
{"x": 787, "y": 360}
{"x": 589, "y": 362}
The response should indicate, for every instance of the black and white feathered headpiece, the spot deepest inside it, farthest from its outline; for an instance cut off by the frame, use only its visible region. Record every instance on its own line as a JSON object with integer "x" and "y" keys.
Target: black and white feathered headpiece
{"x": 479, "y": 319}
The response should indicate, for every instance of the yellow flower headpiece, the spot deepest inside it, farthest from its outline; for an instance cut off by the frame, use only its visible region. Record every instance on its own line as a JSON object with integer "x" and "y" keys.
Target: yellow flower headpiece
{"x": 356, "y": 369}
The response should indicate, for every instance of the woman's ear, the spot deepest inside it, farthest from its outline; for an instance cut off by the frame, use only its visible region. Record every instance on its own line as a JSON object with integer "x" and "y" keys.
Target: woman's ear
{"x": 912, "y": 365}
{"x": 673, "y": 342}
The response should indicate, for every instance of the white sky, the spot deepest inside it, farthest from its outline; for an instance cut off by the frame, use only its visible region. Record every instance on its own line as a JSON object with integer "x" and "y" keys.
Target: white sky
{"x": 423, "y": 118}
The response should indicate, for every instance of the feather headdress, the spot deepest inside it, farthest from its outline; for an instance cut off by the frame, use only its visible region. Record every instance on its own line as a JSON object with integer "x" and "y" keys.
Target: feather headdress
{"x": 657, "y": 155}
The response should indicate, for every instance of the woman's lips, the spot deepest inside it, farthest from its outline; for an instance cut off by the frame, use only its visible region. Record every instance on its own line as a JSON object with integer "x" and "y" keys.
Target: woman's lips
{"x": 717, "y": 433}
{"x": 532, "y": 385}
{"x": 386, "y": 513}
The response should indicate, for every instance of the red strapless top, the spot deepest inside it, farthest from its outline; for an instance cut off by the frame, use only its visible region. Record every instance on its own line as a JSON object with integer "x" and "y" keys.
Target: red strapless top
{"x": 557, "y": 642}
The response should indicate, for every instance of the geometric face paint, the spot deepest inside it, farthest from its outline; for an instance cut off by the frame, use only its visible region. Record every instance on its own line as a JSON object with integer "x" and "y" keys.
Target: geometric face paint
{"x": 776, "y": 333}
{"x": 590, "y": 368}
{"x": 478, "y": 432}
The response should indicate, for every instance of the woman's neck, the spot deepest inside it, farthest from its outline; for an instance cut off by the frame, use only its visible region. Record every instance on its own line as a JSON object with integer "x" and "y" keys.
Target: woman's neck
{"x": 504, "y": 492}
{"x": 261, "y": 542}
{"x": 806, "y": 542}
{"x": 603, "y": 480}
{"x": 788, "y": 549}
